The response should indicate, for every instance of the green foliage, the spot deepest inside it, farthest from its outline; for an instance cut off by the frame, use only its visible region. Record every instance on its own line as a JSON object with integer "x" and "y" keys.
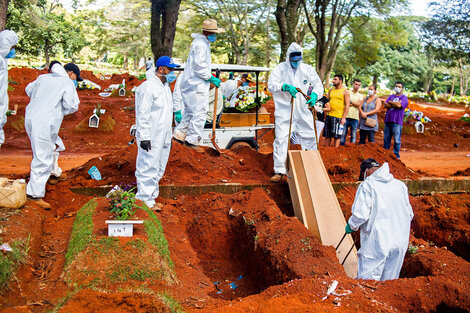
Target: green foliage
{"x": 171, "y": 303}
{"x": 154, "y": 230}
{"x": 44, "y": 28}
{"x": 122, "y": 204}
{"x": 82, "y": 231}
{"x": 11, "y": 260}
{"x": 412, "y": 249}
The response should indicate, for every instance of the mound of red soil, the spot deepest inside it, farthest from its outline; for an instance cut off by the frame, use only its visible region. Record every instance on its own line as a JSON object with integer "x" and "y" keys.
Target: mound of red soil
{"x": 343, "y": 163}
{"x": 462, "y": 173}
{"x": 185, "y": 166}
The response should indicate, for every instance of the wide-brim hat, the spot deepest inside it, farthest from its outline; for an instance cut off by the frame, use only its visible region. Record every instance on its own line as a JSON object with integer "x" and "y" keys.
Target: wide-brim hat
{"x": 210, "y": 25}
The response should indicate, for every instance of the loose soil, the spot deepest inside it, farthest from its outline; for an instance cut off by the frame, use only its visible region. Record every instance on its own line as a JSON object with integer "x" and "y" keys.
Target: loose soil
{"x": 249, "y": 238}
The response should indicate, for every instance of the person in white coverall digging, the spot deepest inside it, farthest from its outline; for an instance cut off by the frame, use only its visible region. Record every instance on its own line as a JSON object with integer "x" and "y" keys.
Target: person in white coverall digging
{"x": 52, "y": 96}
{"x": 383, "y": 213}
{"x": 194, "y": 87}
{"x": 8, "y": 41}
{"x": 282, "y": 83}
{"x": 154, "y": 117}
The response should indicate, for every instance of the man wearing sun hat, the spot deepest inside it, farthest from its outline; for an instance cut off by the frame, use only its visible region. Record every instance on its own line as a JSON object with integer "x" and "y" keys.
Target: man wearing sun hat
{"x": 383, "y": 213}
{"x": 195, "y": 82}
{"x": 154, "y": 117}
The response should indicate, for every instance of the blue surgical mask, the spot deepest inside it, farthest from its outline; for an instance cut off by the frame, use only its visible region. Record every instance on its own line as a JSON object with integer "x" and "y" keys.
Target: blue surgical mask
{"x": 212, "y": 37}
{"x": 246, "y": 84}
{"x": 11, "y": 54}
{"x": 295, "y": 64}
{"x": 75, "y": 82}
{"x": 170, "y": 77}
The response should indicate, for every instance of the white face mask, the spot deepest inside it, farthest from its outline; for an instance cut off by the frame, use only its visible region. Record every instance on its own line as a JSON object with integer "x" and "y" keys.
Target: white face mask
{"x": 370, "y": 92}
{"x": 397, "y": 90}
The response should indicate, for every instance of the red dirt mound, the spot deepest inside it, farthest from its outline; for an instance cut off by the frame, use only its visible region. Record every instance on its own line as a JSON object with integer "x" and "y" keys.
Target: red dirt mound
{"x": 462, "y": 173}
{"x": 343, "y": 163}
{"x": 185, "y": 166}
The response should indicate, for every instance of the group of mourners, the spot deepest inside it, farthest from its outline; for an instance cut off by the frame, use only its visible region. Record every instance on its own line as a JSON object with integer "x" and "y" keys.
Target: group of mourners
{"x": 384, "y": 227}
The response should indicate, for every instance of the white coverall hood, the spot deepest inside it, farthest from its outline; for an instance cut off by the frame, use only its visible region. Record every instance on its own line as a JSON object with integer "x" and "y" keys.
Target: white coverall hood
{"x": 383, "y": 213}
{"x": 154, "y": 116}
{"x": 8, "y": 38}
{"x": 59, "y": 70}
{"x": 306, "y": 78}
{"x": 294, "y": 47}
{"x": 195, "y": 91}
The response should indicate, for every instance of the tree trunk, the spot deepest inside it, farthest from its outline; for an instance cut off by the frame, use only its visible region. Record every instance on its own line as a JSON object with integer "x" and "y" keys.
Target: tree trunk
{"x": 3, "y": 13}
{"x": 125, "y": 65}
{"x": 453, "y": 85}
{"x": 461, "y": 83}
{"x": 430, "y": 75}
{"x": 375, "y": 79}
{"x": 164, "y": 15}
{"x": 287, "y": 18}
{"x": 46, "y": 52}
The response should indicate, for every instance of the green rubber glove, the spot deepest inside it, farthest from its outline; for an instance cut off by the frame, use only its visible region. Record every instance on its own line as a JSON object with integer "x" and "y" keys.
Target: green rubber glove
{"x": 290, "y": 89}
{"x": 348, "y": 229}
{"x": 178, "y": 116}
{"x": 313, "y": 100}
{"x": 215, "y": 81}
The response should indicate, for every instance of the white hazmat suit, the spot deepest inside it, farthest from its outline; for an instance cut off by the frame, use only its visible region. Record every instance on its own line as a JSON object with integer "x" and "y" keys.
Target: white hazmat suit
{"x": 52, "y": 96}
{"x": 153, "y": 114}
{"x": 302, "y": 120}
{"x": 8, "y": 39}
{"x": 383, "y": 212}
{"x": 195, "y": 91}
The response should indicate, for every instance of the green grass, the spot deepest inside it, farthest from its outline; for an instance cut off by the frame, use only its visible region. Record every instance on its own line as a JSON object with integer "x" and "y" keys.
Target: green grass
{"x": 171, "y": 303}
{"x": 10, "y": 261}
{"x": 154, "y": 230}
{"x": 82, "y": 231}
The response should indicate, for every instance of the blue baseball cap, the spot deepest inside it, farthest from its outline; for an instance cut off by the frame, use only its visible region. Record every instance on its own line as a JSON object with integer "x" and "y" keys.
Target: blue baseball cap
{"x": 166, "y": 61}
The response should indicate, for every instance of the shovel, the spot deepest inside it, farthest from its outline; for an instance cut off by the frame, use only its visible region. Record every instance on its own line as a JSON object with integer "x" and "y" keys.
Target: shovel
{"x": 314, "y": 118}
{"x": 214, "y": 117}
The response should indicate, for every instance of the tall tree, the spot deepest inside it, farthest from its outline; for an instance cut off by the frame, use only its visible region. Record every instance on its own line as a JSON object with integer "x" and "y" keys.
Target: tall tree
{"x": 327, "y": 20}
{"x": 164, "y": 16}
{"x": 44, "y": 28}
{"x": 287, "y": 16}
{"x": 241, "y": 19}
{"x": 448, "y": 34}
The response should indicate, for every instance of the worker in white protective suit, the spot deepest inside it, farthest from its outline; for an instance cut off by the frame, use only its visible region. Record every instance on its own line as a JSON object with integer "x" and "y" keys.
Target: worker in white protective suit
{"x": 195, "y": 86}
{"x": 282, "y": 83}
{"x": 153, "y": 114}
{"x": 8, "y": 41}
{"x": 383, "y": 213}
{"x": 178, "y": 100}
{"x": 52, "y": 96}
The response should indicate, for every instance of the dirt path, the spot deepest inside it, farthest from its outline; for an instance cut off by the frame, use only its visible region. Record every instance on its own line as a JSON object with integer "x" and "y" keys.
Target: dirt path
{"x": 440, "y": 164}
{"x": 18, "y": 163}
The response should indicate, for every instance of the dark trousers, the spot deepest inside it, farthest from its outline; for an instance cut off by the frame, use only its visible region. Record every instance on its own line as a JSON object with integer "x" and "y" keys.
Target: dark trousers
{"x": 363, "y": 134}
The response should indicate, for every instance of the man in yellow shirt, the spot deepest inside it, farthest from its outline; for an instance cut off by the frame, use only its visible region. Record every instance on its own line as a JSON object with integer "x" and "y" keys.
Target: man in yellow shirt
{"x": 352, "y": 119}
{"x": 339, "y": 103}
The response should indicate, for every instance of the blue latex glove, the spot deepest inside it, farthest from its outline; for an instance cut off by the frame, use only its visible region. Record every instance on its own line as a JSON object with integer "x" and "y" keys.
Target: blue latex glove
{"x": 290, "y": 89}
{"x": 178, "y": 116}
{"x": 313, "y": 100}
{"x": 348, "y": 229}
{"x": 215, "y": 81}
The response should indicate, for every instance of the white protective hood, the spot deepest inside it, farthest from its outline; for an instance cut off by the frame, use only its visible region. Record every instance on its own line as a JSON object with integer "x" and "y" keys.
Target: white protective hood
{"x": 294, "y": 47}
{"x": 59, "y": 70}
{"x": 8, "y": 39}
